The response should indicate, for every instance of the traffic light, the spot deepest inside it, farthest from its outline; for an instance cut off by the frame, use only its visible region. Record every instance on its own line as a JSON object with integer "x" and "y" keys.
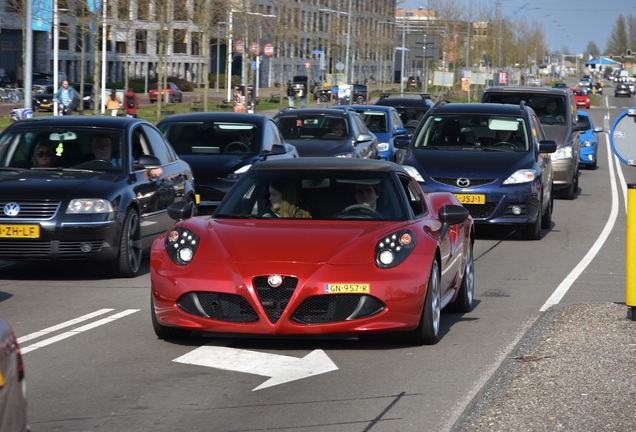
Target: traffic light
{"x": 611, "y": 56}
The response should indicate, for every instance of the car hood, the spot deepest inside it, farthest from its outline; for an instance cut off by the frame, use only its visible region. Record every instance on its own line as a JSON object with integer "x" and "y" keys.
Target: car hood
{"x": 383, "y": 136}
{"x": 558, "y": 133}
{"x": 209, "y": 167}
{"x": 55, "y": 185}
{"x": 322, "y": 147}
{"x": 470, "y": 163}
{"x": 259, "y": 241}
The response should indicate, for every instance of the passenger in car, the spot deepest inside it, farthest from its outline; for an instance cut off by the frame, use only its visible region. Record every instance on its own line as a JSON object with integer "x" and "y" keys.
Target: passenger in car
{"x": 43, "y": 156}
{"x": 284, "y": 201}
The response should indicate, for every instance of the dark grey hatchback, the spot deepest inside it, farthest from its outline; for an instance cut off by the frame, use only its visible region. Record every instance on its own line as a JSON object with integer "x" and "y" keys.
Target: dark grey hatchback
{"x": 87, "y": 188}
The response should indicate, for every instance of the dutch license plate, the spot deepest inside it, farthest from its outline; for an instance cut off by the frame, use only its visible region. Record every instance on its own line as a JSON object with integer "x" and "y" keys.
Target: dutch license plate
{"x": 471, "y": 198}
{"x": 351, "y": 288}
{"x": 19, "y": 231}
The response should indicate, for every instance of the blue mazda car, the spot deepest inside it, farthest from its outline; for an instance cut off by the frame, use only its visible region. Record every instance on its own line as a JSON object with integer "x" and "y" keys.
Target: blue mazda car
{"x": 492, "y": 157}
{"x": 385, "y": 123}
{"x": 589, "y": 142}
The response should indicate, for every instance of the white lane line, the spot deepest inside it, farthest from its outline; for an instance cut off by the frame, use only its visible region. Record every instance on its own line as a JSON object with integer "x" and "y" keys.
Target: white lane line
{"x": 565, "y": 285}
{"x": 76, "y": 331}
{"x": 63, "y": 325}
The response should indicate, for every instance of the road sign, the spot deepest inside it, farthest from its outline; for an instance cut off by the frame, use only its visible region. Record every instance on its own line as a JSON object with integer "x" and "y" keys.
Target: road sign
{"x": 317, "y": 52}
{"x": 444, "y": 79}
{"x": 339, "y": 66}
{"x": 279, "y": 368}
{"x": 269, "y": 49}
{"x": 239, "y": 46}
{"x": 623, "y": 136}
{"x": 255, "y": 48}
{"x": 307, "y": 65}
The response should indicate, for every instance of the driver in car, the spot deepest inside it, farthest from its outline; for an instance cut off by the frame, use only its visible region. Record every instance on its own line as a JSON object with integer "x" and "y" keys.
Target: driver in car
{"x": 102, "y": 149}
{"x": 506, "y": 136}
{"x": 551, "y": 110}
{"x": 367, "y": 195}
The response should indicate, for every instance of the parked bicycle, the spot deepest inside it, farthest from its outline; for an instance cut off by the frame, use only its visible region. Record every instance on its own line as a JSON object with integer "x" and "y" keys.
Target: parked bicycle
{"x": 12, "y": 95}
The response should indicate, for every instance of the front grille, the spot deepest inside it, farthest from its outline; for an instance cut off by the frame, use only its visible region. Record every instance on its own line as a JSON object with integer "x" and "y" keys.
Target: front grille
{"x": 227, "y": 307}
{"x": 12, "y": 249}
{"x": 326, "y": 309}
{"x": 481, "y": 211}
{"x": 453, "y": 181}
{"x": 31, "y": 209}
{"x": 274, "y": 300}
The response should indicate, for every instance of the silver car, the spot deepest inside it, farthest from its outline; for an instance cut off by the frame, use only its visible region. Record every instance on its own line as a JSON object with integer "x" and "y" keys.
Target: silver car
{"x": 13, "y": 404}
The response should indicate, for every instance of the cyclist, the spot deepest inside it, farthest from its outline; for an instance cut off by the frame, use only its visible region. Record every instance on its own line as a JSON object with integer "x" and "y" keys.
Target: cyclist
{"x": 65, "y": 95}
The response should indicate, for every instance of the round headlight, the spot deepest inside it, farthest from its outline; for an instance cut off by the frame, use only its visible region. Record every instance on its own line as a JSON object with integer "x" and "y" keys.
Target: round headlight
{"x": 185, "y": 254}
{"x": 173, "y": 236}
{"x": 386, "y": 256}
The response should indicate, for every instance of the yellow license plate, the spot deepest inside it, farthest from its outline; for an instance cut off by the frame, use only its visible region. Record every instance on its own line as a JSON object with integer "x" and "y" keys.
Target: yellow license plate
{"x": 19, "y": 231}
{"x": 351, "y": 288}
{"x": 471, "y": 198}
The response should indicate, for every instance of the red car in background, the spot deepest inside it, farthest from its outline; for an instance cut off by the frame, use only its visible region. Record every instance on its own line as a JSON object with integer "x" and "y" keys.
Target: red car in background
{"x": 582, "y": 100}
{"x": 356, "y": 247}
{"x": 174, "y": 93}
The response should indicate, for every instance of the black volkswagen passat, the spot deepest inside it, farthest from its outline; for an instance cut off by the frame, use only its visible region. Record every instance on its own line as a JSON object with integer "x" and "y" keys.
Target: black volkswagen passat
{"x": 87, "y": 188}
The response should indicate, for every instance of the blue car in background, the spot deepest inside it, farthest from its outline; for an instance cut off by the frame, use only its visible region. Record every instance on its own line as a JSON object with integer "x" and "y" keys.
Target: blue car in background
{"x": 385, "y": 123}
{"x": 589, "y": 142}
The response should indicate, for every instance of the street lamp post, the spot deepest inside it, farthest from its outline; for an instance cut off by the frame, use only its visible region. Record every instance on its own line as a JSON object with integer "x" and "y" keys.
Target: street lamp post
{"x": 230, "y": 55}
{"x": 218, "y": 45}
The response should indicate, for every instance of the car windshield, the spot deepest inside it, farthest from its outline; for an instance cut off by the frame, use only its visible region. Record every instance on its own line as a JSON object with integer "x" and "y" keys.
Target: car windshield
{"x": 376, "y": 121}
{"x": 315, "y": 194}
{"x": 212, "y": 138}
{"x": 56, "y": 147}
{"x": 550, "y": 108}
{"x": 473, "y": 132}
{"x": 313, "y": 127}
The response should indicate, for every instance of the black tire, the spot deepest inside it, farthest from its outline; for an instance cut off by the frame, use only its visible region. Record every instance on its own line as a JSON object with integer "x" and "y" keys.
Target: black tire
{"x": 593, "y": 166}
{"x": 324, "y": 98}
{"x": 360, "y": 100}
{"x": 164, "y": 332}
{"x": 546, "y": 218}
{"x": 128, "y": 259}
{"x": 532, "y": 231}
{"x": 567, "y": 193}
{"x": 427, "y": 332}
{"x": 464, "y": 301}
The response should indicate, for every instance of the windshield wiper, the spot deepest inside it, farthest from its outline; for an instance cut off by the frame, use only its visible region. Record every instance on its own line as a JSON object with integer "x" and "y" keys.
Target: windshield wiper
{"x": 428, "y": 147}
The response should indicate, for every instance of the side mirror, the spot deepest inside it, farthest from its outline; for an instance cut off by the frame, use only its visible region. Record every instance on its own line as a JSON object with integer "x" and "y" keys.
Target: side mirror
{"x": 402, "y": 142}
{"x": 181, "y": 210}
{"x": 277, "y": 149}
{"x": 579, "y": 126}
{"x": 147, "y": 162}
{"x": 547, "y": 146}
{"x": 450, "y": 215}
{"x": 364, "y": 137}
{"x": 598, "y": 129}
{"x": 400, "y": 131}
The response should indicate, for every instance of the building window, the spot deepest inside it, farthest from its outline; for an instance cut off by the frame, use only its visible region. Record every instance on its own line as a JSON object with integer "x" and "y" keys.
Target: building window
{"x": 123, "y": 10}
{"x": 180, "y": 41}
{"x": 79, "y": 42}
{"x": 141, "y": 42}
{"x": 195, "y": 47}
{"x": 63, "y": 40}
{"x": 180, "y": 13}
{"x": 120, "y": 47}
{"x": 143, "y": 10}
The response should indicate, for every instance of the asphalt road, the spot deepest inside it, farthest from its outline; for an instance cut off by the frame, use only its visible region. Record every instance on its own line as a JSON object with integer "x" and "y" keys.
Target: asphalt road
{"x": 110, "y": 373}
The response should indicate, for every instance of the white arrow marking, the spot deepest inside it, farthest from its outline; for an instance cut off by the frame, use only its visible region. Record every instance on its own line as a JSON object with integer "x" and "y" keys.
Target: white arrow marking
{"x": 279, "y": 368}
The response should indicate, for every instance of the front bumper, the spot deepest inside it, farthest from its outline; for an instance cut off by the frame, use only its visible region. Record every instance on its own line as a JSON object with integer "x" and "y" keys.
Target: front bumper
{"x": 500, "y": 201}
{"x": 564, "y": 173}
{"x": 587, "y": 155}
{"x": 241, "y": 303}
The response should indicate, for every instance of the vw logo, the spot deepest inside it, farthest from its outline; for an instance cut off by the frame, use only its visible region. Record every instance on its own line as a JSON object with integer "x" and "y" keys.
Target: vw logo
{"x": 12, "y": 209}
{"x": 275, "y": 280}
{"x": 463, "y": 182}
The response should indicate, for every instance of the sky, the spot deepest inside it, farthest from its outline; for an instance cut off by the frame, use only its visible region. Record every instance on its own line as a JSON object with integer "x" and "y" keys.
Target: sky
{"x": 569, "y": 23}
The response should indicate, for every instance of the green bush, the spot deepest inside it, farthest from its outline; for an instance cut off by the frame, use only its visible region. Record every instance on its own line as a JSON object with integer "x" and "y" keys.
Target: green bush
{"x": 236, "y": 80}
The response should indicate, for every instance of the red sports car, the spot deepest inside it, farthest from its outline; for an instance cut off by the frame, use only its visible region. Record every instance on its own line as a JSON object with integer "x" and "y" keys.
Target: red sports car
{"x": 582, "y": 100}
{"x": 315, "y": 246}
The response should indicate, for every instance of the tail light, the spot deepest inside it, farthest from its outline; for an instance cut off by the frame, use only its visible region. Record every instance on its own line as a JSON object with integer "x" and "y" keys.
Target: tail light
{"x": 19, "y": 361}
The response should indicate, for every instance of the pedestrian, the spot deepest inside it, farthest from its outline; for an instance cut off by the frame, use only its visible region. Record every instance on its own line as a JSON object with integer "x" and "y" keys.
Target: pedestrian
{"x": 334, "y": 94}
{"x": 302, "y": 94}
{"x": 66, "y": 96}
{"x": 131, "y": 104}
{"x": 290, "y": 94}
{"x": 113, "y": 103}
